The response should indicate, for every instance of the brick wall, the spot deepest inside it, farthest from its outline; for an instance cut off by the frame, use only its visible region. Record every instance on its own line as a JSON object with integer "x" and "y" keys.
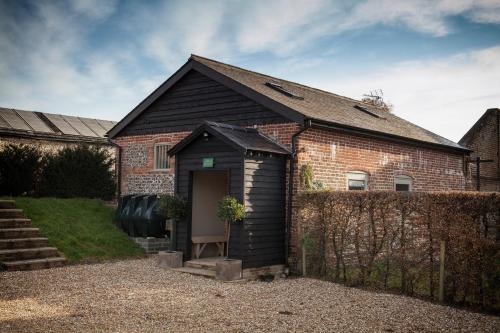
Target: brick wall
{"x": 333, "y": 154}
{"x": 138, "y": 175}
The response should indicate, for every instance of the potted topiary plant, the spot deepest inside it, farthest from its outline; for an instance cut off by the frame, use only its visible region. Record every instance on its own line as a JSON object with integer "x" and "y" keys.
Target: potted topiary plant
{"x": 230, "y": 211}
{"x": 174, "y": 208}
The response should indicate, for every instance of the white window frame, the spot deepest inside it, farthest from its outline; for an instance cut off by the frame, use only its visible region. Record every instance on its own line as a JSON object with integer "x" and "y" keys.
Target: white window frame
{"x": 357, "y": 175}
{"x": 403, "y": 180}
{"x": 155, "y": 156}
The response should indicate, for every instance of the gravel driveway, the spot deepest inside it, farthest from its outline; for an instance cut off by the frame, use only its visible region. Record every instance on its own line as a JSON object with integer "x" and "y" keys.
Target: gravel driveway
{"x": 137, "y": 296}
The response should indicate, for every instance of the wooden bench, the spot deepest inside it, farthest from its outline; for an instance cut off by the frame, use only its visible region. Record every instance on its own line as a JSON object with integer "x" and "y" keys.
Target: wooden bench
{"x": 200, "y": 242}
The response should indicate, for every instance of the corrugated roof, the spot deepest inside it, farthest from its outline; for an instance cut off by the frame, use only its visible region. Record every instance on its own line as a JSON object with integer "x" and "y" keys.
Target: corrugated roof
{"x": 326, "y": 106}
{"x": 32, "y": 122}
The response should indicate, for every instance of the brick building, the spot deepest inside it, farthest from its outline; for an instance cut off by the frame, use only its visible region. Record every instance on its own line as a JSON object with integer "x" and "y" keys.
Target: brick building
{"x": 52, "y": 132}
{"x": 484, "y": 139}
{"x": 348, "y": 144}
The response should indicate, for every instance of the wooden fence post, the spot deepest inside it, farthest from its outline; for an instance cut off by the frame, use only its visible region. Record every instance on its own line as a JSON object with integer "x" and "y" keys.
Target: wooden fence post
{"x": 442, "y": 256}
{"x": 304, "y": 260}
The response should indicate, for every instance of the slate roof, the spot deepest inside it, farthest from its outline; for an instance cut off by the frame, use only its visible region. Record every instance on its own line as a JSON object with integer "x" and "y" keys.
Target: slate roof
{"x": 326, "y": 106}
{"x": 243, "y": 139}
{"x": 24, "y": 123}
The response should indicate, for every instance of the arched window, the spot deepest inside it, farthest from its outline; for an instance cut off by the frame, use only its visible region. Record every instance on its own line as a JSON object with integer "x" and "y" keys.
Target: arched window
{"x": 357, "y": 180}
{"x": 403, "y": 183}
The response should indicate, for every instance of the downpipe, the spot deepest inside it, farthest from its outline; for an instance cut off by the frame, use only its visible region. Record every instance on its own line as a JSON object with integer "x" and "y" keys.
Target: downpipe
{"x": 307, "y": 125}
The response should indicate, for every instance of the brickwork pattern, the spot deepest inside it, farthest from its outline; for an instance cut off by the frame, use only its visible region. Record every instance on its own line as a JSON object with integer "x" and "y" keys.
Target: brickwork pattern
{"x": 138, "y": 174}
{"x": 333, "y": 154}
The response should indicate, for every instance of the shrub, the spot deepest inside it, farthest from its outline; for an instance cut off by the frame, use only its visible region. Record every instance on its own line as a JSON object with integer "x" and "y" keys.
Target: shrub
{"x": 172, "y": 207}
{"x": 80, "y": 171}
{"x": 230, "y": 210}
{"x": 19, "y": 169}
{"x": 391, "y": 240}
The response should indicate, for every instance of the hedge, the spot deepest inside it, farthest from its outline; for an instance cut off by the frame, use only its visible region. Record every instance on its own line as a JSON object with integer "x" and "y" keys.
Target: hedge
{"x": 20, "y": 166}
{"x": 392, "y": 240}
{"x": 75, "y": 171}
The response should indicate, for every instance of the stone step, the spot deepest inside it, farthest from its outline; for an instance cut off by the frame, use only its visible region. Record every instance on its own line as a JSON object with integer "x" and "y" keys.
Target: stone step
{"x": 30, "y": 264}
{"x": 208, "y": 265}
{"x": 15, "y": 223}
{"x": 23, "y": 254}
{"x": 7, "y": 204}
{"x": 10, "y": 233}
{"x": 196, "y": 271}
{"x": 11, "y": 213}
{"x": 23, "y": 243}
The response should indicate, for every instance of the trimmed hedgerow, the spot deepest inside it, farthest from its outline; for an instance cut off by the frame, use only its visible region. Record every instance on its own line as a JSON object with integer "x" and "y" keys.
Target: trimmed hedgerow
{"x": 79, "y": 171}
{"x": 20, "y": 167}
{"x": 391, "y": 240}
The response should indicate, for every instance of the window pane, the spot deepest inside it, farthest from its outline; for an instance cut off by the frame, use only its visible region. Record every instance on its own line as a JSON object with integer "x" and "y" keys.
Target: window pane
{"x": 356, "y": 184}
{"x": 402, "y": 187}
{"x": 161, "y": 157}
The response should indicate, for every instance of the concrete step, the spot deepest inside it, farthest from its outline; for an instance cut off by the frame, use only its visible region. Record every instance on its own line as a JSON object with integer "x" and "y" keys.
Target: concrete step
{"x": 10, "y": 233}
{"x": 23, "y": 243}
{"x": 7, "y": 204}
{"x": 196, "y": 271}
{"x": 198, "y": 263}
{"x": 11, "y": 213}
{"x": 15, "y": 223}
{"x": 30, "y": 264}
{"x": 23, "y": 254}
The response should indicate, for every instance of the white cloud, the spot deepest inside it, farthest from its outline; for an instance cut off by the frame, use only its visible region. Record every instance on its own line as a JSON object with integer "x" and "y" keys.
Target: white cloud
{"x": 444, "y": 95}
{"x": 178, "y": 29}
{"x": 44, "y": 65}
{"x": 95, "y": 9}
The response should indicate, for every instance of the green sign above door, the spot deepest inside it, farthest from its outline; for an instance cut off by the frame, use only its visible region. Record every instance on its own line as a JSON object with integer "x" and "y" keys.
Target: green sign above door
{"x": 208, "y": 162}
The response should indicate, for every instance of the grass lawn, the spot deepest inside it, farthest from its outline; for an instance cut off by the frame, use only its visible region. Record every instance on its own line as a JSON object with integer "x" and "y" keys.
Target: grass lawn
{"x": 82, "y": 229}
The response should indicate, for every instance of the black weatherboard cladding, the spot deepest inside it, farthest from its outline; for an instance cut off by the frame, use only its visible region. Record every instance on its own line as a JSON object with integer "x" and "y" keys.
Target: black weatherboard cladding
{"x": 194, "y": 99}
{"x": 190, "y": 159}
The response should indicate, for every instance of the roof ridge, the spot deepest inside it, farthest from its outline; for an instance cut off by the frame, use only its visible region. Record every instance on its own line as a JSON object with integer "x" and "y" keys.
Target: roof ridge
{"x": 194, "y": 56}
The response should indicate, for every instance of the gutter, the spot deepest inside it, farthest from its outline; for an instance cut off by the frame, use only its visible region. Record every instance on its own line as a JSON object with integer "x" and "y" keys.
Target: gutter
{"x": 307, "y": 125}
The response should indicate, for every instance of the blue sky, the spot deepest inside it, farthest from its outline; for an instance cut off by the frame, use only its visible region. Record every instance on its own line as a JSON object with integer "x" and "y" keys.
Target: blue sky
{"x": 438, "y": 62}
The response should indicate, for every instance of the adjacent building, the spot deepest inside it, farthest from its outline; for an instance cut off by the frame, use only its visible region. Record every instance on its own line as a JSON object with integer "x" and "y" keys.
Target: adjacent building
{"x": 51, "y": 132}
{"x": 484, "y": 139}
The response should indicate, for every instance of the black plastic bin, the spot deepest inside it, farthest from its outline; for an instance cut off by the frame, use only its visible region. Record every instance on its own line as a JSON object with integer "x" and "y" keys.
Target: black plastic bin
{"x": 137, "y": 216}
{"x": 126, "y": 217}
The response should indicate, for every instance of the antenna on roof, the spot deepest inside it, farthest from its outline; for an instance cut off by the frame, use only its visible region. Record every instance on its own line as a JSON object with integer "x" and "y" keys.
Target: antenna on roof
{"x": 376, "y": 98}
{"x": 377, "y": 95}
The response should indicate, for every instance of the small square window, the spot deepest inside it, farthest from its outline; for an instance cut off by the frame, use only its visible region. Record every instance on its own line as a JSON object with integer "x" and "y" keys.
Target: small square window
{"x": 357, "y": 180}
{"x": 403, "y": 183}
{"x": 161, "y": 157}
